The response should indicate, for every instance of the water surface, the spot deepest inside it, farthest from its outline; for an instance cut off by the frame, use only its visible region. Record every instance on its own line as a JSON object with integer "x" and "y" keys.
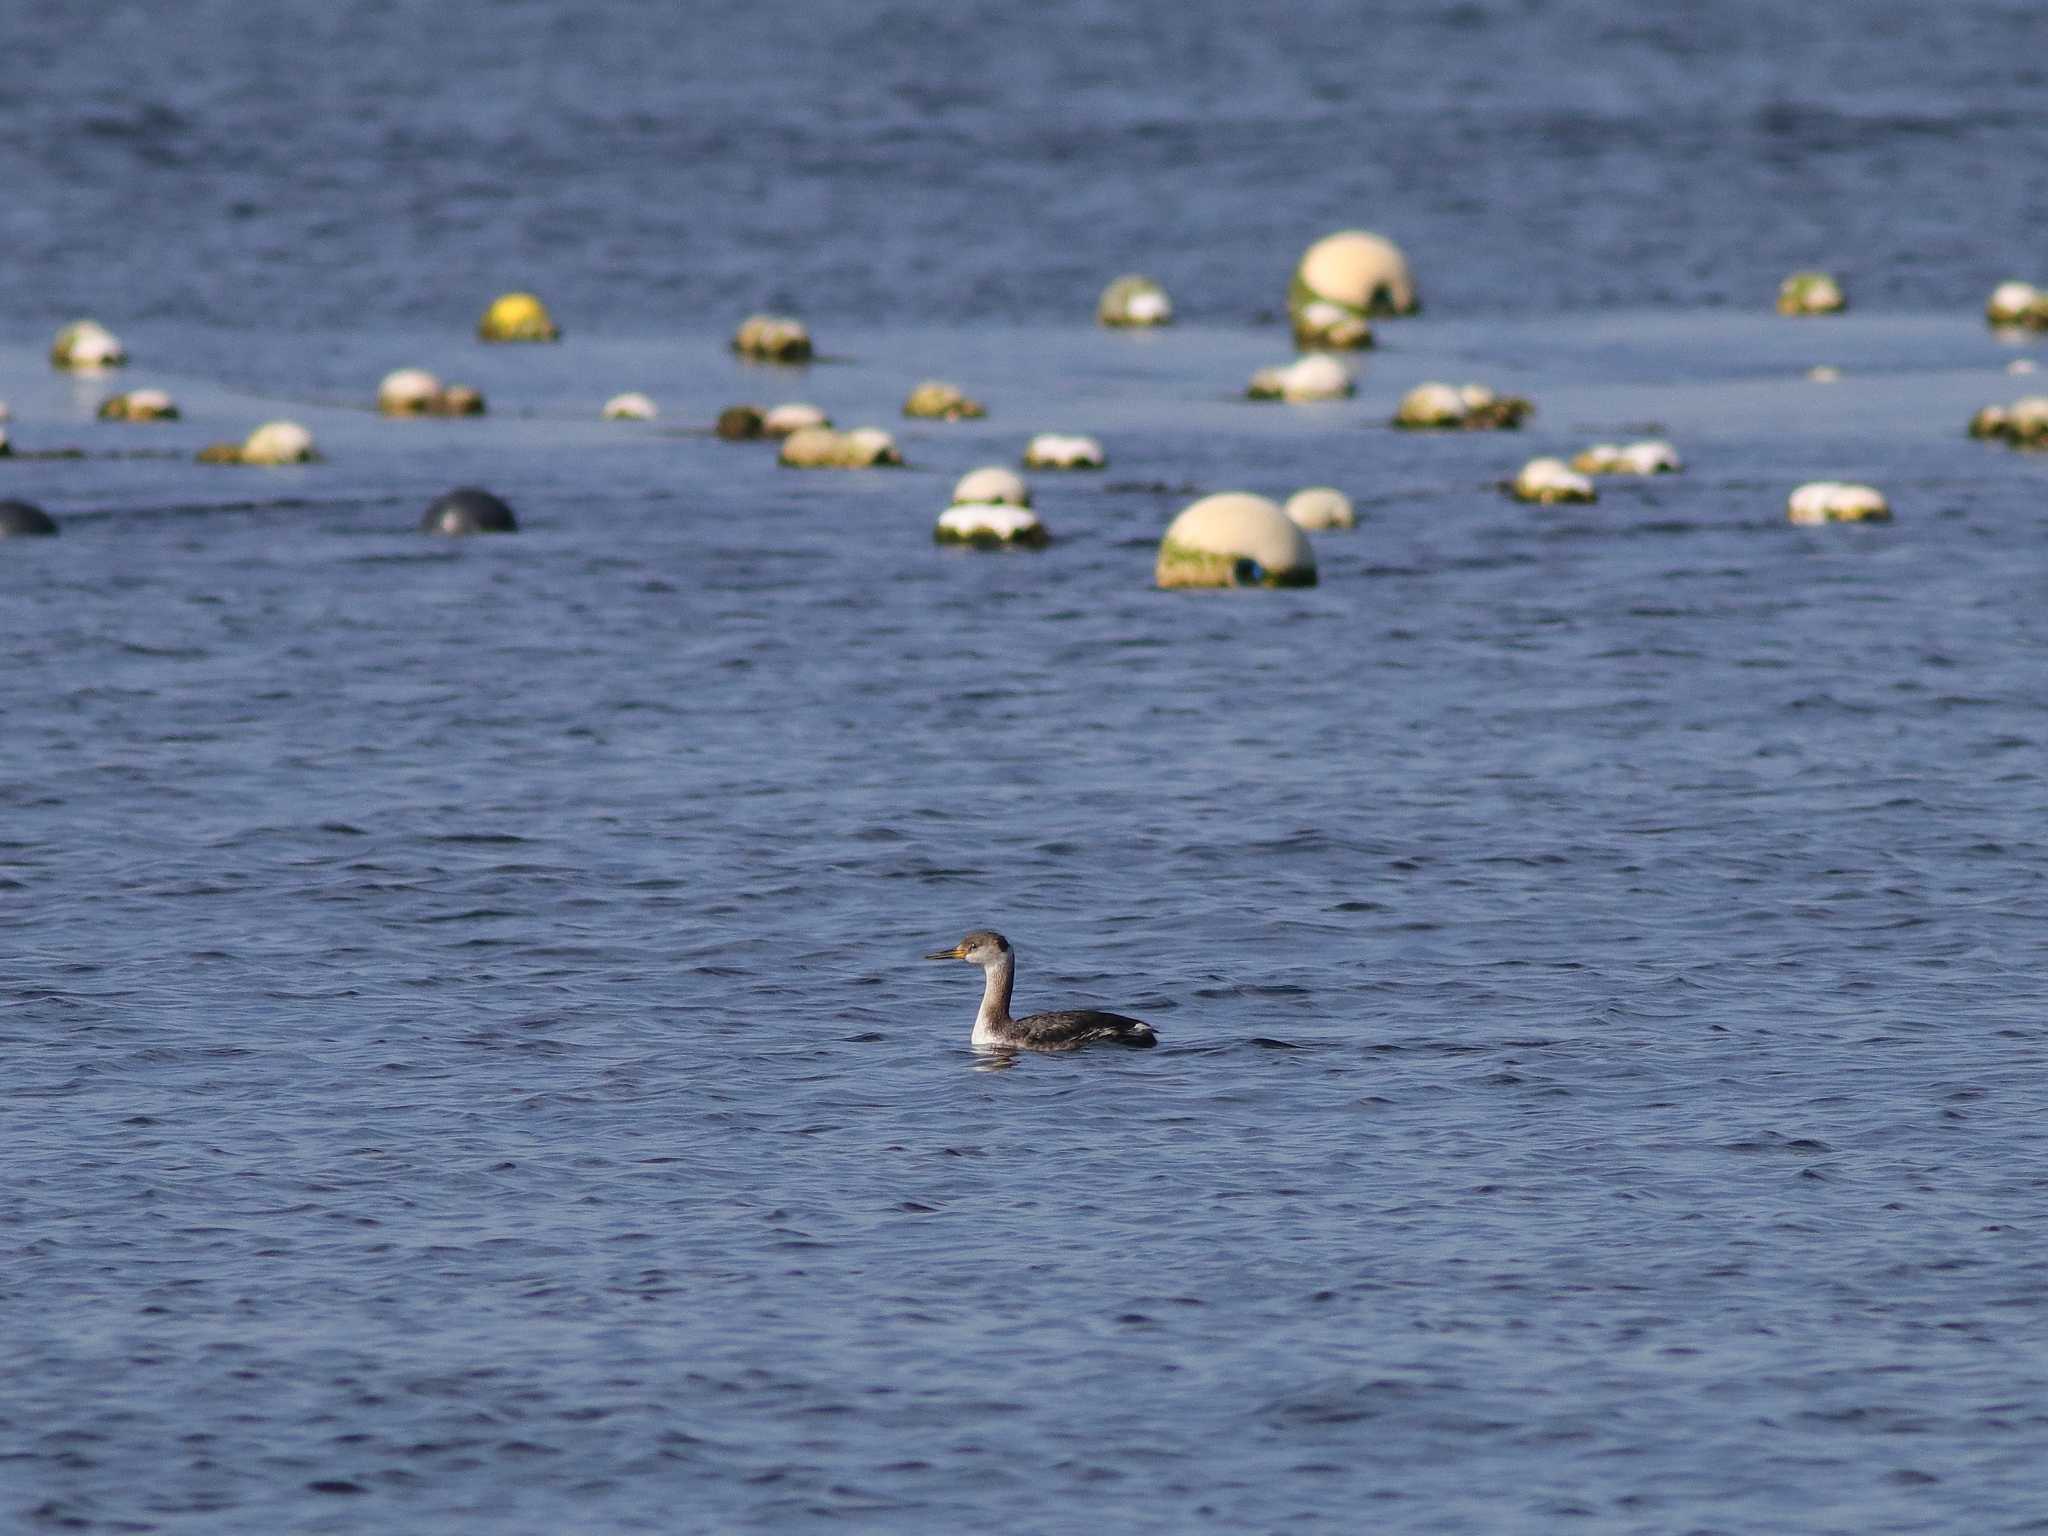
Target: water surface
{"x": 466, "y": 1061}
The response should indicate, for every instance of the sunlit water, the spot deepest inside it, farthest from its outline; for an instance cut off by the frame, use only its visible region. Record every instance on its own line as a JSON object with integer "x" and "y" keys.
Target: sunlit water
{"x": 464, "y": 1057}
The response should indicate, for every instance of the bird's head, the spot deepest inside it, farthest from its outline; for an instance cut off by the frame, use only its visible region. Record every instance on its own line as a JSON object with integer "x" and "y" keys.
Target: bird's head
{"x": 982, "y": 947}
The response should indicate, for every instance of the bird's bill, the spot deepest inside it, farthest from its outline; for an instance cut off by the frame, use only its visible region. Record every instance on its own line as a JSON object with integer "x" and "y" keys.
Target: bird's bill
{"x": 946, "y": 954}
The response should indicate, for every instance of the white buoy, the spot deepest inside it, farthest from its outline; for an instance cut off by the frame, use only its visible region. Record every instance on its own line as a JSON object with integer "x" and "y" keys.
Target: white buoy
{"x": 1133, "y": 300}
{"x": 1318, "y": 507}
{"x": 1313, "y": 378}
{"x": 992, "y": 485}
{"x": 629, "y": 407}
{"x": 1431, "y": 405}
{"x": 1835, "y": 501}
{"x": 2017, "y": 303}
{"x": 1053, "y": 450}
{"x": 1549, "y": 481}
{"x": 823, "y": 448}
{"x": 87, "y": 345}
{"x": 139, "y": 405}
{"x": 1811, "y": 293}
{"x": 772, "y": 339}
{"x": 279, "y": 442}
{"x": 1234, "y": 540}
{"x": 408, "y": 392}
{"x": 785, "y": 419}
{"x": 987, "y": 524}
{"x": 1651, "y": 456}
{"x": 937, "y": 400}
{"x": 1340, "y": 281}
{"x": 1473, "y": 407}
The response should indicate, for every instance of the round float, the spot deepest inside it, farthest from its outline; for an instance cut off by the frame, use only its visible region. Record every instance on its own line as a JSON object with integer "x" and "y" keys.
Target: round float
{"x": 24, "y": 520}
{"x": 1134, "y": 300}
{"x": 936, "y": 400}
{"x": 1835, "y": 501}
{"x": 466, "y": 510}
{"x": 517, "y": 317}
{"x": 1811, "y": 293}
{"x": 1318, "y": 507}
{"x": 992, "y": 485}
{"x": 86, "y": 345}
{"x": 629, "y": 407}
{"x": 1234, "y": 539}
{"x": 772, "y": 339}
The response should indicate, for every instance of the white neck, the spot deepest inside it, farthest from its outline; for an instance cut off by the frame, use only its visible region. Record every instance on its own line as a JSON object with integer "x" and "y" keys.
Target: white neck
{"x": 995, "y": 997}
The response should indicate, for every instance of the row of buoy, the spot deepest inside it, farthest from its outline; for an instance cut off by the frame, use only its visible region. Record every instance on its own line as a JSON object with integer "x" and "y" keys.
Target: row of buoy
{"x": 464, "y": 510}
{"x": 991, "y": 507}
{"x": 1341, "y": 284}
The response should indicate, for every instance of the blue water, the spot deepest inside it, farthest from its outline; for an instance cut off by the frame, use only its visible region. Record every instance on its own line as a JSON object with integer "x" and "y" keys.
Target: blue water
{"x": 464, "y": 1058}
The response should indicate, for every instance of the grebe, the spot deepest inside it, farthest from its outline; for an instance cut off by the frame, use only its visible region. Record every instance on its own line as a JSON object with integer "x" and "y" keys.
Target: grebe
{"x": 995, "y": 1030}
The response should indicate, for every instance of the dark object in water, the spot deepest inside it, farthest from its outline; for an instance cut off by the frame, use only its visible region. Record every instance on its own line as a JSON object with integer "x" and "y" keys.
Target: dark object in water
{"x": 19, "y": 519}
{"x": 736, "y": 423}
{"x": 469, "y": 510}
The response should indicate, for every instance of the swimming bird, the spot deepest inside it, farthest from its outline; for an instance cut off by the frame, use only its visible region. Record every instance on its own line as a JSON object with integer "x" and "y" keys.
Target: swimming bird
{"x": 995, "y": 1030}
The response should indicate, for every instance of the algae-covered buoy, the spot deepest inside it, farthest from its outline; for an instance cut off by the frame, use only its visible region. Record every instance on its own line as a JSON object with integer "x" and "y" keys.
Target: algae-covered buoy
{"x": 2022, "y": 424}
{"x": 1055, "y": 450}
{"x": 772, "y": 339}
{"x": 869, "y": 448}
{"x": 517, "y": 317}
{"x": 823, "y": 448}
{"x": 1469, "y": 407}
{"x": 416, "y": 392}
{"x": 275, "y": 442}
{"x": 1811, "y": 293}
{"x": 989, "y": 525}
{"x": 629, "y": 407}
{"x": 737, "y": 423}
{"x": 1651, "y": 456}
{"x": 1315, "y": 377}
{"x": 139, "y": 405}
{"x": 1340, "y": 281}
{"x": 1835, "y": 501}
{"x": 1317, "y": 507}
{"x": 1133, "y": 300}
{"x": 407, "y": 392}
{"x": 25, "y": 520}
{"x": 466, "y": 510}
{"x": 1430, "y": 406}
{"x": 935, "y": 399}
{"x": 2016, "y": 303}
{"x": 1234, "y": 540}
{"x": 790, "y": 416}
{"x": 1549, "y": 481}
{"x": 992, "y": 485}
{"x": 87, "y": 345}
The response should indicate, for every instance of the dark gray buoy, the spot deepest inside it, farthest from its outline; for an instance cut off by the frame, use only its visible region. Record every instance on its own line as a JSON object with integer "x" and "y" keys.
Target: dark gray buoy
{"x": 469, "y": 510}
{"x": 19, "y": 520}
